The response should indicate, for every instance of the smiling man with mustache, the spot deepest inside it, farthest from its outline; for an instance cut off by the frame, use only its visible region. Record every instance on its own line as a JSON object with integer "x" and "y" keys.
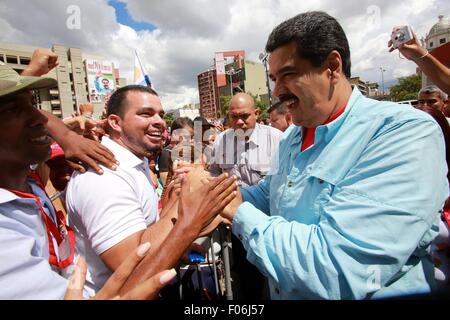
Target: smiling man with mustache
{"x": 352, "y": 204}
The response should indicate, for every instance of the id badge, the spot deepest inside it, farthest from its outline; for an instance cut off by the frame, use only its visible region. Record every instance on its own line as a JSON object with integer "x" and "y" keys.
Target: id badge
{"x": 64, "y": 249}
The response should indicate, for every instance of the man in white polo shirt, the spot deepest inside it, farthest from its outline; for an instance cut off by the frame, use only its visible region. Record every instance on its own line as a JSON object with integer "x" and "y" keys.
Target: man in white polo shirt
{"x": 115, "y": 212}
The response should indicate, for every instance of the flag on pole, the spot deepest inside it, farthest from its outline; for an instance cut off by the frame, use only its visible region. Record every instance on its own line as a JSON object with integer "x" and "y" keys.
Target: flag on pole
{"x": 140, "y": 75}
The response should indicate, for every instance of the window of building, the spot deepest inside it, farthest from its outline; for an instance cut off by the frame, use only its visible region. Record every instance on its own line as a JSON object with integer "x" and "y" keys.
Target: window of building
{"x": 442, "y": 41}
{"x": 2, "y": 59}
{"x": 11, "y": 59}
{"x": 431, "y": 44}
{"x": 37, "y": 98}
{"x": 24, "y": 60}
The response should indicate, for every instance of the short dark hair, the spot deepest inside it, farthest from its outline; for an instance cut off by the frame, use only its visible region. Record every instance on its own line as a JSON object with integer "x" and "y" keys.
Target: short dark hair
{"x": 181, "y": 122}
{"x": 279, "y": 107}
{"x": 116, "y": 103}
{"x": 316, "y": 34}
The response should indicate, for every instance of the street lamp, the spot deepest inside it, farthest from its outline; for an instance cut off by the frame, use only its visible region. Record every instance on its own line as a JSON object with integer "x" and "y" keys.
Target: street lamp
{"x": 231, "y": 73}
{"x": 263, "y": 57}
{"x": 382, "y": 79}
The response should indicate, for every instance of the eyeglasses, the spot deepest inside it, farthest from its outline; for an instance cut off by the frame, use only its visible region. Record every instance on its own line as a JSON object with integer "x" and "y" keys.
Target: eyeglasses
{"x": 428, "y": 101}
{"x": 243, "y": 116}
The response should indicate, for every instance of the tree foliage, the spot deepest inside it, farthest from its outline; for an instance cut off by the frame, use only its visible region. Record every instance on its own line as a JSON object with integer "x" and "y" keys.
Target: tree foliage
{"x": 224, "y": 105}
{"x": 168, "y": 118}
{"x": 406, "y": 89}
{"x": 262, "y": 106}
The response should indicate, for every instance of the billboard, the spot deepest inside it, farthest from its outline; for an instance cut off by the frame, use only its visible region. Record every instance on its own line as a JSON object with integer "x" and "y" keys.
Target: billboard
{"x": 101, "y": 80}
{"x": 220, "y": 69}
{"x": 221, "y": 59}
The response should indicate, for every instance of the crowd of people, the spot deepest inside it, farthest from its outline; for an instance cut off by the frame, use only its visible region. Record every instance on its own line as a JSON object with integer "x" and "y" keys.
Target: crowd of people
{"x": 338, "y": 196}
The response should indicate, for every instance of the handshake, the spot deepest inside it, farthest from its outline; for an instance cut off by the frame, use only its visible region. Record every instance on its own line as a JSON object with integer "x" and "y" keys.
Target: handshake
{"x": 197, "y": 179}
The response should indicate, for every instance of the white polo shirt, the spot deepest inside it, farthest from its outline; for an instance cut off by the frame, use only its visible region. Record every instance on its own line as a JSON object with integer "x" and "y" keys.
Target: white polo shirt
{"x": 25, "y": 271}
{"x": 105, "y": 209}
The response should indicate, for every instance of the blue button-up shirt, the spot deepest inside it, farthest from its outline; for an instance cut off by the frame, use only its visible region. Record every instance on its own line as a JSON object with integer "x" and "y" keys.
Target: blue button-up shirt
{"x": 353, "y": 216}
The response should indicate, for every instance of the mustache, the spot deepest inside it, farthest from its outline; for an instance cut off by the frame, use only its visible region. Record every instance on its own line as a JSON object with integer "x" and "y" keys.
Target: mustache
{"x": 39, "y": 131}
{"x": 286, "y": 97}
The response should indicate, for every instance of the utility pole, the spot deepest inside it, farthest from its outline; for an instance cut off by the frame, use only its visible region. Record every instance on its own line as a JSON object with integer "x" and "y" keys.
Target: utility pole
{"x": 263, "y": 57}
{"x": 231, "y": 73}
{"x": 382, "y": 79}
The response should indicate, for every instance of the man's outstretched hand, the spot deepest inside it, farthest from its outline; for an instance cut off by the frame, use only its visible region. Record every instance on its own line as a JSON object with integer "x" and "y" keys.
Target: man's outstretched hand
{"x": 147, "y": 290}
{"x": 201, "y": 206}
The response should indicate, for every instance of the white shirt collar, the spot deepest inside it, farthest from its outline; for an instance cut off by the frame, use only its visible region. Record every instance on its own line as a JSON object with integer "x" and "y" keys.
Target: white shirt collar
{"x": 6, "y": 196}
{"x": 122, "y": 154}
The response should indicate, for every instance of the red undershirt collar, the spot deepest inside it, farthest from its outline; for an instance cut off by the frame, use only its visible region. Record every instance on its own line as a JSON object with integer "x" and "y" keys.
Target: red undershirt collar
{"x": 308, "y": 139}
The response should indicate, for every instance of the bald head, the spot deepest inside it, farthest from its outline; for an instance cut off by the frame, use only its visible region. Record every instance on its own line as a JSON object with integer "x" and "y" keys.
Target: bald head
{"x": 242, "y": 113}
{"x": 242, "y": 99}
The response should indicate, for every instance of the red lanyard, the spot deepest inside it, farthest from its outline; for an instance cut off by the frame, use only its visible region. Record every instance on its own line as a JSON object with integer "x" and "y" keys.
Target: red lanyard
{"x": 60, "y": 232}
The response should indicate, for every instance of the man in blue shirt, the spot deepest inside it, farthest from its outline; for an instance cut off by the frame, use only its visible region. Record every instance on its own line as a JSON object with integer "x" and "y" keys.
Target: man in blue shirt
{"x": 353, "y": 201}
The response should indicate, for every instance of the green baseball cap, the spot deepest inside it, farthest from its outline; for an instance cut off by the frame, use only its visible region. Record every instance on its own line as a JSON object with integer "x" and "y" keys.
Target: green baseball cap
{"x": 11, "y": 81}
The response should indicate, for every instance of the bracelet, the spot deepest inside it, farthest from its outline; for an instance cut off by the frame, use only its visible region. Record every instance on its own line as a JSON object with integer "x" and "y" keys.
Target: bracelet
{"x": 426, "y": 53}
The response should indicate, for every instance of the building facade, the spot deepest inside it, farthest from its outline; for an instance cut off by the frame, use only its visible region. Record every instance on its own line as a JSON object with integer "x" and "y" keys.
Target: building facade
{"x": 369, "y": 89}
{"x": 437, "y": 42}
{"x": 209, "y": 94}
{"x": 72, "y": 78}
{"x": 189, "y": 111}
{"x": 231, "y": 74}
{"x": 255, "y": 79}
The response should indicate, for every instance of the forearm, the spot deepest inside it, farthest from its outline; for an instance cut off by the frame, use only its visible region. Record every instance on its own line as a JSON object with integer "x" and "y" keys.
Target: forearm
{"x": 258, "y": 195}
{"x": 56, "y": 126}
{"x": 294, "y": 255}
{"x": 435, "y": 71}
{"x": 165, "y": 257}
{"x": 157, "y": 233}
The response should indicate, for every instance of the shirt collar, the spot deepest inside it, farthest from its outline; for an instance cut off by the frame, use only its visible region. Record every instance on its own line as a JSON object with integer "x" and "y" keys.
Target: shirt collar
{"x": 330, "y": 129}
{"x": 253, "y": 138}
{"x": 254, "y": 135}
{"x": 8, "y": 196}
{"x": 122, "y": 154}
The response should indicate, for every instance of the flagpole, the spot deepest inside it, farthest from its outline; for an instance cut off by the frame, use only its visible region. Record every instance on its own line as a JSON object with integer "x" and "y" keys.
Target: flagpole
{"x": 147, "y": 80}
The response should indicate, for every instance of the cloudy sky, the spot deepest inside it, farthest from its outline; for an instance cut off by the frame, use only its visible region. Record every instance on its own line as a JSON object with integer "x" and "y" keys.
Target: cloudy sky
{"x": 176, "y": 39}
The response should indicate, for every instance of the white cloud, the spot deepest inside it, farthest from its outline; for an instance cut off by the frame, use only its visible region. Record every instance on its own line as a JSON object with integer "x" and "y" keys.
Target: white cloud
{"x": 189, "y": 33}
{"x": 201, "y": 18}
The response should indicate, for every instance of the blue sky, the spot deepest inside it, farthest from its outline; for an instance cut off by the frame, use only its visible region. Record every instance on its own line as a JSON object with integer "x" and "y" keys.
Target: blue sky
{"x": 124, "y": 18}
